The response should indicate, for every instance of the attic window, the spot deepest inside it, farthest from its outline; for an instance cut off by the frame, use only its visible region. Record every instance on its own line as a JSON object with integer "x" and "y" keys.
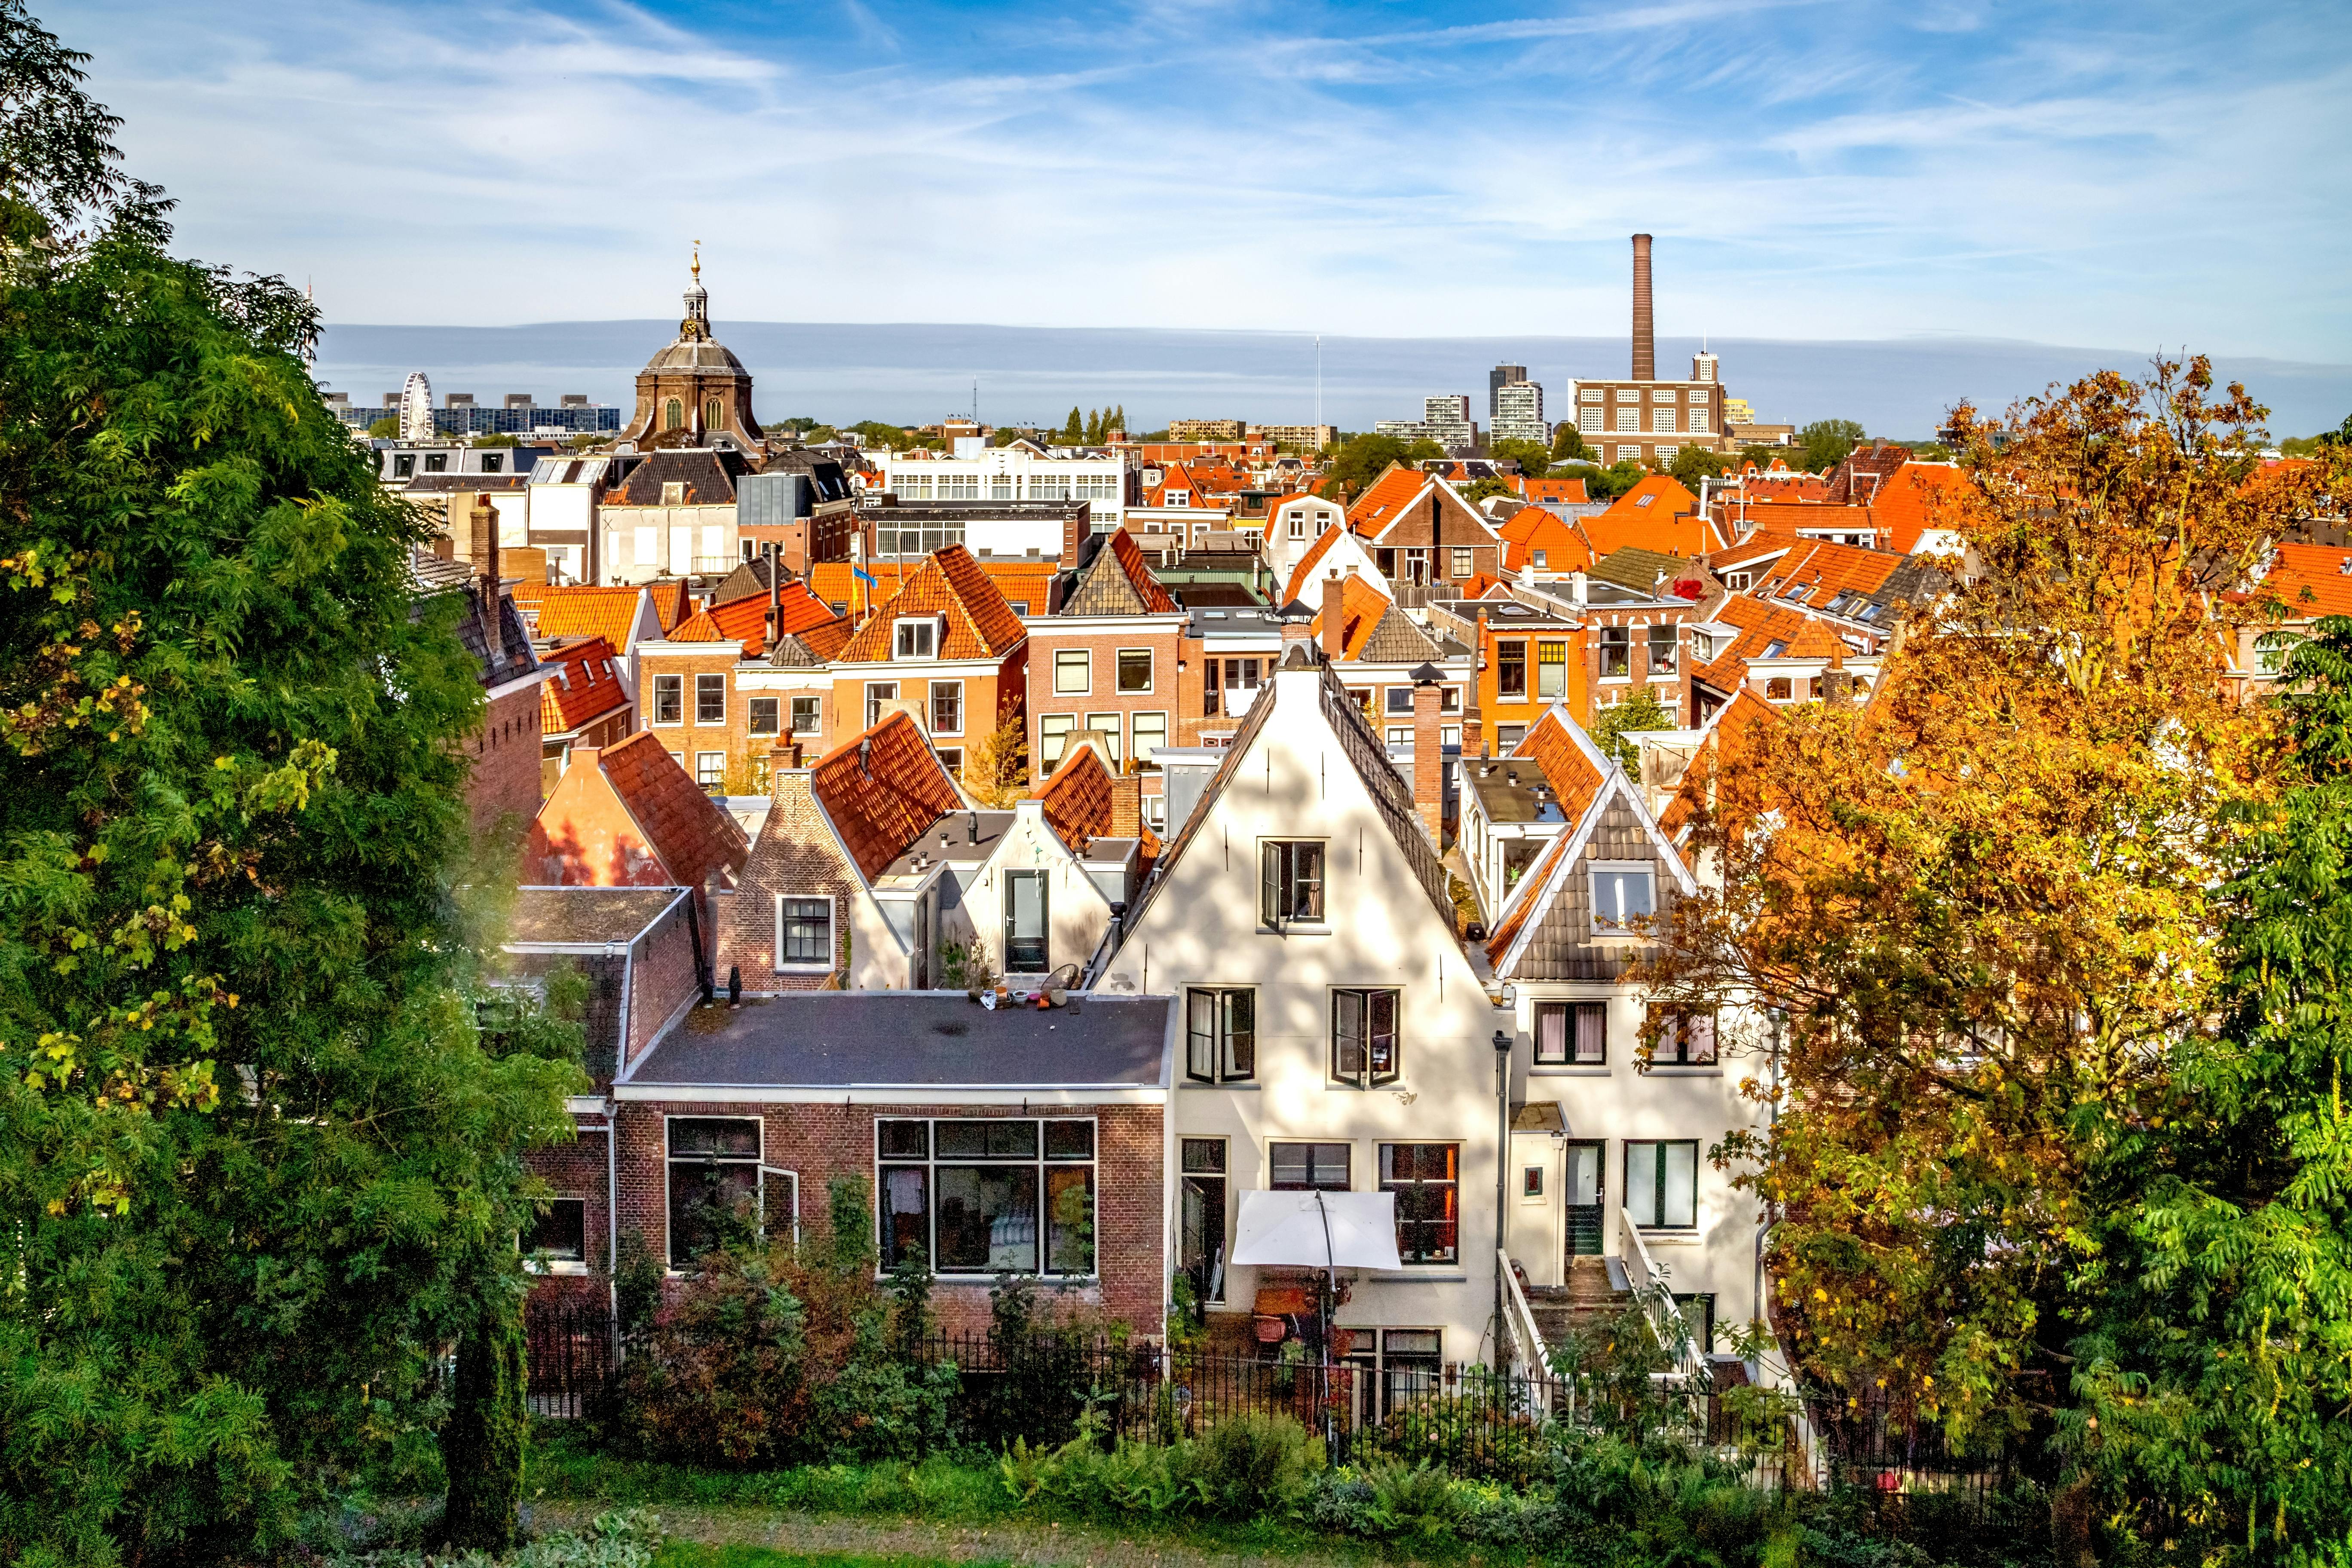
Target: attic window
{"x": 1774, "y": 649}
{"x": 673, "y": 492}
{"x": 1624, "y": 891}
{"x": 1871, "y": 612}
{"x": 1644, "y": 501}
{"x": 915, "y": 638}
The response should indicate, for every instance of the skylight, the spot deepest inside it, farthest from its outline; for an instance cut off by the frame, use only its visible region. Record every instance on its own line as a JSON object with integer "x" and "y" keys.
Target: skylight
{"x": 1775, "y": 648}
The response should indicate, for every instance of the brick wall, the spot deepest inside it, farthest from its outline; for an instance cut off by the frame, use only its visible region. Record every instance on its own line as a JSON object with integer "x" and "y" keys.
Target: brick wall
{"x": 662, "y": 978}
{"x": 690, "y": 739}
{"x": 822, "y": 1142}
{"x": 1103, "y": 697}
{"x": 796, "y": 854}
{"x": 576, "y": 1170}
{"x": 506, "y": 777}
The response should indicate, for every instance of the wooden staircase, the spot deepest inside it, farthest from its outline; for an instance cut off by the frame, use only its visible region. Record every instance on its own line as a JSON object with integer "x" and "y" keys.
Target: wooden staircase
{"x": 1595, "y": 1293}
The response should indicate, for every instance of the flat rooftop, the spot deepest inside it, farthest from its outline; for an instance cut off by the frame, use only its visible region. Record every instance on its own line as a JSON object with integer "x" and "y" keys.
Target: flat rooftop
{"x": 1513, "y": 790}
{"x": 935, "y": 1039}
{"x": 585, "y": 917}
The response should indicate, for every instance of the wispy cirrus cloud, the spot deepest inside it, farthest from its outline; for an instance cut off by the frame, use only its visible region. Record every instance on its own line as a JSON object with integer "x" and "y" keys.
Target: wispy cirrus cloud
{"x": 1813, "y": 168}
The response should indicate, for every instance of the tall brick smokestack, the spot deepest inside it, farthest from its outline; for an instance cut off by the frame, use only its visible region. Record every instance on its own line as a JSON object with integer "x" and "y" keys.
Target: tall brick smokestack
{"x": 1645, "y": 345}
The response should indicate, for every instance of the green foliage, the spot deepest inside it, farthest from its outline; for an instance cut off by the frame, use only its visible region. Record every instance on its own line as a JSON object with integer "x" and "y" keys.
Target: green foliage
{"x": 1366, "y": 457}
{"x": 1533, "y": 458}
{"x": 873, "y": 433}
{"x": 1073, "y": 429}
{"x": 1604, "y": 484}
{"x": 1479, "y": 490}
{"x": 849, "y": 1223}
{"x": 2312, "y": 446}
{"x": 1567, "y": 444}
{"x": 765, "y": 1358}
{"x": 627, "y": 1538}
{"x": 2216, "y": 1369}
{"x": 1693, "y": 463}
{"x": 386, "y": 428}
{"x": 1640, "y": 710}
{"x": 496, "y": 441}
{"x": 482, "y": 1444}
{"x": 1825, "y": 443}
{"x": 257, "y": 1166}
{"x": 637, "y": 1286}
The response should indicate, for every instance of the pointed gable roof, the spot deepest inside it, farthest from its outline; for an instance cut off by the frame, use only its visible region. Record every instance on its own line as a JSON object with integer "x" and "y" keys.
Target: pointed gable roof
{"x": 883, "y": 790}
{"x": 665, "y": 831}
{"x": 581, "y": 686}
{"x": 1760, "y": 626}
{"x": 745, "y": 620}
{"x": 979, "y": 620}
{"x": 1731, "y": 735}
{"x": 1118, "y": 582}
{"x": 1373, "y": 629}
{"x": 572, "y": 610}
{"x": 1385, "y": 499}
{"x": 1918, "y": 499}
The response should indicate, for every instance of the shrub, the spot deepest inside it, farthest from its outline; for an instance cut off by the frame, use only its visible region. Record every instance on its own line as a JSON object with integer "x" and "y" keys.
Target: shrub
{"x": 625, "y": 1538}
{"x": 1255, "y": 1464}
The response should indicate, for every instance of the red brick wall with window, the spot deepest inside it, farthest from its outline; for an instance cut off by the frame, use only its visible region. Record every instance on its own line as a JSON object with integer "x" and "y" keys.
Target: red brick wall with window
{"x": 822, "y": 1141}
{"x": 796, "y": 855}
{"x": 690, "y": 738}
{"x": 505, "y": 776}
{"x": 1165, "y": 648}
{"x": 576, "y": 1170}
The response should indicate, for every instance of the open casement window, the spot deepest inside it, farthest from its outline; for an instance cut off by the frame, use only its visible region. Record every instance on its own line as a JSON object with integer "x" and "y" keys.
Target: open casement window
{"x": 1680, "y": 1037}
{"x": 780, "y": 1204}
{"x": 1201, "y": 1247}
{"x": 1026, "y": 947}
{"x": 1616, "y": 652}
{"x": 1427, "y": 1180}
{"x": 1290, "y": 882}
{"x": 1662, "y": 1184}
{"x": 1220, "y": 1035}
{"x": 1571, "y": 1034}
{"x": 714, "y": 1183}
{"x": 1364, "y": 1050}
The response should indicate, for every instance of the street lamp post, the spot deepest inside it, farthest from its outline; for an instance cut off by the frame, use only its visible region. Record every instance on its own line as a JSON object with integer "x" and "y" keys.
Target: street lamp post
{"x": 1502, "y": 1174}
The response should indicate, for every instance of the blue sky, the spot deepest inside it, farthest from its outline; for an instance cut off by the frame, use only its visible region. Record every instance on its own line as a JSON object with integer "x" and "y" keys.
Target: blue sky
{"x": 2128, "y": 176}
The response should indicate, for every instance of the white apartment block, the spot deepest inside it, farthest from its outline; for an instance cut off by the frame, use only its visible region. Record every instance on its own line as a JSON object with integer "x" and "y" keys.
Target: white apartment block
{"x": 1519, "y": 413}
{"x": 1017, "y": 472}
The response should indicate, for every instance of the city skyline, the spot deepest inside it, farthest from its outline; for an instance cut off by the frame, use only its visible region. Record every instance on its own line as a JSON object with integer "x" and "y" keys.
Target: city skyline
{"x": 1811, "y": 171}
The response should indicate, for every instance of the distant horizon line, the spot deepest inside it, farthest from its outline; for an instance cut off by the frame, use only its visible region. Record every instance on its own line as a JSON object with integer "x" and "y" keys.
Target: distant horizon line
{"x": 1947, "y": 336}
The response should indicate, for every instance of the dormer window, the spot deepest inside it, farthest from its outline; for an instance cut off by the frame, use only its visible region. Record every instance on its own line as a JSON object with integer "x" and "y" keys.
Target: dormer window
{"x": 916, "y": 638}
{"x": 1624, "y": 891}
{"x": 673, "y": 492}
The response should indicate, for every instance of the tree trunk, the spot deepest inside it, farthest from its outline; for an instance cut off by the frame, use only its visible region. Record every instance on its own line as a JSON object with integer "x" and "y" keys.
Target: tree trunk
{"x": 482, "y": 1444}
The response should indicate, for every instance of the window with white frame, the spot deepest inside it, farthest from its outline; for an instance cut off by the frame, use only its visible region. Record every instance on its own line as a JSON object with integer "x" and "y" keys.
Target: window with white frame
{"x": 1589, "y": 395}
{"x": 918, "y": 638}
{"x": 669, "y": 699}
{"x": 1616, "y": 652}
{"x": 981, "y": 1196}
{"x": 1290, "y": 882}
{"x": 1150, "y": 734}
{"x": 763, "y": 715}
{"x": 711, "y": 770}
{"x": 559, "y": 1233}
{"x": 1134, "y": 669}
{"x": 1073, "y": 672}
{"x": 1588, "y": 420}
{"x": 713, "y": 1169}
{"x": 1551, "y": 671}
{"x": 1054, "y": 739}
{"x": 1219, "y": 1034}
{"x": 1107, "y": 726}
{"x": 1624, "y": 891}
{"x": 1364, "y": 1048}
{"x": 1028, "y": 948}
{"x": 1427, "y": 1180}
{"x": 1298, "y": 525}
{"x": 1629, "y": 454}
{"x": 1629, "y": 419}
{"x": 877, "y": 693}
{"x": 804, "y": 938}
{"x": 1663, "y": 648}
{"x": 806, "y": 718}
{"x": 946, "y": 707}
{"x": 711, "y": 700}
{"x": 1662, "y": 1184}
{"x": 1310, "y": 1167}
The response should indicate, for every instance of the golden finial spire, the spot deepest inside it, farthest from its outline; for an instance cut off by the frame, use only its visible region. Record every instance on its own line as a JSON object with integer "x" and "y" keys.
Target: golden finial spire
{"x": 697, "y": 261}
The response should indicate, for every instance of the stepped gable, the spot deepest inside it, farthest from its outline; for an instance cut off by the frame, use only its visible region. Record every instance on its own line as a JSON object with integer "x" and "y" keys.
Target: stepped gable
{"x": 883, "y": 790}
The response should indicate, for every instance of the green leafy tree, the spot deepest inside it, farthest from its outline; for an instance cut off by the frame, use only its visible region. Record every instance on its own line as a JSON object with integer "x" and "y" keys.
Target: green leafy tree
{"x": 1094, "y": 426}
{"x": 1763, "y": 457}
{"x": 386, "y": 428}
{"x": 257, "y": 1162}
{"x": 1567, "y": 444}
{"x": 2213, "y": 1372}
{"x": 1693, "y": 463}
{"x": 1479, "y": 490}
{"x": 1826, "y": 443}
{"x": 872, "y": 433}
{"x": 1533, "y": 461}
{"x": 2312, "y": 446}
{"x": 496, "y": 441}
{"x": 1074, "y": 428}
{"x": 1116, "y": 422}
{"x": 1640, "y": 710}
{"x": 1365, "y": 458}
{"x": 1604, "y": 484}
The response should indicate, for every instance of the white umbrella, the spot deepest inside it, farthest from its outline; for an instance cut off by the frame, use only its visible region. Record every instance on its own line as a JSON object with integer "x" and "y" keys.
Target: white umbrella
{"x": 1317, "y": 1230}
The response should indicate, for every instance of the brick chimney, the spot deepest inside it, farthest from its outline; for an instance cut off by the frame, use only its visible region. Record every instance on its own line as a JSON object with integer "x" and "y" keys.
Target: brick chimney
{"x": 775, "y": 598}
{"x": 1646, "y": 346}
{"x": 1335, "y": 635}
{"x": 1127, "y": 806}
{"x": 483, "y": 553}
{"x": 1428, "y": 763}
{"x": 1473, "y": 716}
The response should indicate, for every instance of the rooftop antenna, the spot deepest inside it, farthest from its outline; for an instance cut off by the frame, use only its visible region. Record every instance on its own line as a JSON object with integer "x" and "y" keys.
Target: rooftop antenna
{"x": 1319, "y": 378}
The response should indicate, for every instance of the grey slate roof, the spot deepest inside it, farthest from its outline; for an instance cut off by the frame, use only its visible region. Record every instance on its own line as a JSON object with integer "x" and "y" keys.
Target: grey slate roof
{"x": 916, "y": 1039}
{"x": 1633, "y": 567}
{"x": 431, "y": 576}
{"x": 1104, "y": 590}
{"x": 1561, "y": 947}
{"x": 1391, "y": 796}
{"x": 708, "y": 475}
{"x": 1395, "y": 639}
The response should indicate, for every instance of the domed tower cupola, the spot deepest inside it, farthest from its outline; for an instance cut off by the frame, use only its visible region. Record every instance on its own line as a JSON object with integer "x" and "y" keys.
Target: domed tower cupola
{"x": 694, "y": 393}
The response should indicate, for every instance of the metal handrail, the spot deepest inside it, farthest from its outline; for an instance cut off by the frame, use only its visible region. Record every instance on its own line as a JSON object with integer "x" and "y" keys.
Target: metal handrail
{"x": 1527, "y": 1336}
{"x": 1667, "y": 1323}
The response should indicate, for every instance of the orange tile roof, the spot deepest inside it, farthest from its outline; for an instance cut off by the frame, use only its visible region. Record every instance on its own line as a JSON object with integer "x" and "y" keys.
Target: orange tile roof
{"x": 979, "y": 621}
{"x": 2308, "y": 581}
{"x": 883, "y": 790}
{"x": 1657, "y": 495}
{"x": 1731, "y": 736}
{"x": 1031, "y": 582}
{"x": 1567, "y": 763}
{"x": 1077, "y": 796}
{"x": 1752, "y": 547}
{"x": 745, "y": 620}
{"x": 1304, "y": 573}
{"x": 1361, "y": 606}
{"x": 1760, "y": 626}
{"x": 1916, "y": 498}
{"x": 671, "y": 605}
{"x": 1816, "y": 569}
{"x": 1387, "y": 496}
{"x": 692, "y": 832}
{"x": 1533, "y": 528}
{"x": 1559, "y": 493}
{"x": 581, "y": 687}
{"x": 1482, "y": 586}
{"x": 575, "y": 610}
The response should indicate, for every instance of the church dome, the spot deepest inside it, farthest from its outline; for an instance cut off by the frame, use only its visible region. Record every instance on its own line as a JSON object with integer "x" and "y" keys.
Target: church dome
{"x": 696, "y": 355}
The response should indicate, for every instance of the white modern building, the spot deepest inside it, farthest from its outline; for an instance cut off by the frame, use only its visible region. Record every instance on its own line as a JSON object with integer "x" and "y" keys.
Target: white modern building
{"x": 1519, "y": 414}
{"x": 1020, "y": 471}
{"x": 1444, "y": 420}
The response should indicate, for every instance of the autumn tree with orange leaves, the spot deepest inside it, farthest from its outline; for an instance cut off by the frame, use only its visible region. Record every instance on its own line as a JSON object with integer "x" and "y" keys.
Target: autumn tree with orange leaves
{"x": 1984, "y": 902}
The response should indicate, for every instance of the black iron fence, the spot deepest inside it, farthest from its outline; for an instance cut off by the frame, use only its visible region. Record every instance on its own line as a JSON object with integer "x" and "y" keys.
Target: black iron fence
{"x": 1465, "y": 1420}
